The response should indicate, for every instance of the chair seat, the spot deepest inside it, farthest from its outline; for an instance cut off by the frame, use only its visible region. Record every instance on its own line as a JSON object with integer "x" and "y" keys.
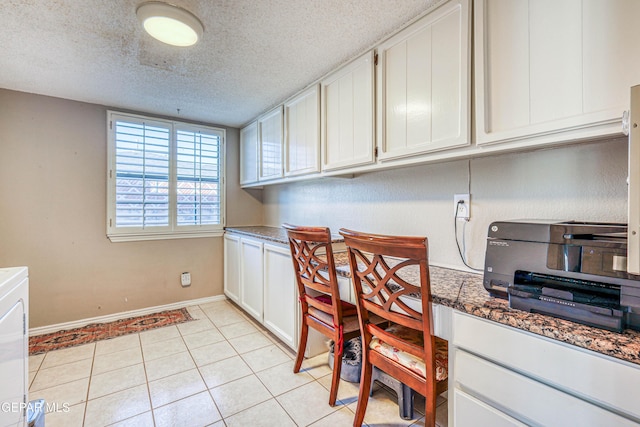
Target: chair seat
{"x": 410, "y": 361}
{"x": 351, "y": 323}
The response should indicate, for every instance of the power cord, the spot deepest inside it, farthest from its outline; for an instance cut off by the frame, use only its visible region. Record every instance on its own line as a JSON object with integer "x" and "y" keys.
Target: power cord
{"x": 455, "y": 228}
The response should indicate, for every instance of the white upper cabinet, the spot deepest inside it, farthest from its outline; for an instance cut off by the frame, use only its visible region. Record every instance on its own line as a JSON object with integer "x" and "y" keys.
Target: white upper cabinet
{"x": 270, "y": 144}
{"x": 249, "y": 154}
{"x": 302, "y": 133}
{"x": 549, "y": 71}
{"x": 348, "y": 115}
{"x": 423, "y": 84}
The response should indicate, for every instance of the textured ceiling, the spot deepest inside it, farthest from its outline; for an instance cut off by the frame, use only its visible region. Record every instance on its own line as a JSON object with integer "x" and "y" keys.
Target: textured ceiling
{"x": 254, "y": 53}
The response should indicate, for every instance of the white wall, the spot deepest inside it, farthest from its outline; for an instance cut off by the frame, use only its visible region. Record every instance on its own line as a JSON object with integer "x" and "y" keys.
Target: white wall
{"x": 581, "y": 182}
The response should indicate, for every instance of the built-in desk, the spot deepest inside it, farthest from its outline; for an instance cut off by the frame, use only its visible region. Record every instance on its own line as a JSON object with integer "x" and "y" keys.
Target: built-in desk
{"x": 509, "y": 367}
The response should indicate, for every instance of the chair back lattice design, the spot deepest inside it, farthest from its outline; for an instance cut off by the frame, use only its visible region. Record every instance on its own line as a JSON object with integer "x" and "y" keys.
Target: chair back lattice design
{"x": 384, "y": 270}
{"x": 314, "y": 268}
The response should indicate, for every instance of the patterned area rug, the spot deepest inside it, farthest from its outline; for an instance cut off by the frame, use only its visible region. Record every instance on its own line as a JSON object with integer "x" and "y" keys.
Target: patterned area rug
{"x": 102, "y": 331}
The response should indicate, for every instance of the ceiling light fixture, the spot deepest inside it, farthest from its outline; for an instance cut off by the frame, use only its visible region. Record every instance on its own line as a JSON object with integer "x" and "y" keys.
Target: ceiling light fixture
{"x": 170, "y": 24}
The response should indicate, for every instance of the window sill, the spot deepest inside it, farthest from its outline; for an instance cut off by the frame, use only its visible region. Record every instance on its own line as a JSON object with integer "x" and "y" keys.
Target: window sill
{"x": 136, "y": 237}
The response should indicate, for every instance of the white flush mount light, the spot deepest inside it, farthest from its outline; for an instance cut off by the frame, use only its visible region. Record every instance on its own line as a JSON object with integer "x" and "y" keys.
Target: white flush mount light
{"x": 170, "y": 24}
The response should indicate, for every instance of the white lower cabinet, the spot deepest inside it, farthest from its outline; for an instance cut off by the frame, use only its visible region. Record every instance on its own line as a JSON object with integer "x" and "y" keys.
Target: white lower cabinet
{"x": 232, "y": 267}
{"x": 258, "y": 276}
{"x": 504, "y": 376}
{"x": 280, "y": 294}
{"x": 251, "y": 286}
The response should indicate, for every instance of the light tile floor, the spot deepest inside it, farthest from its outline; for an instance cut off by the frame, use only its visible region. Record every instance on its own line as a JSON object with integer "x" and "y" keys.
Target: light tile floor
{"x": 222, "y": 369}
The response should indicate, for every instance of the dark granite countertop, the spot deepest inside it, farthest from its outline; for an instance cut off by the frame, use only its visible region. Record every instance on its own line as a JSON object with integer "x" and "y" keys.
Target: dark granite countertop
{"x": 271, "y": 234}
{"x": 464, "y": 292}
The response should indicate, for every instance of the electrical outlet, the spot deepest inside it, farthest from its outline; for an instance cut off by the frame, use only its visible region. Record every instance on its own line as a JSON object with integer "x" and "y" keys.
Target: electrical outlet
{"x": 185, "y": 279}
{"x": 462, "y": 210}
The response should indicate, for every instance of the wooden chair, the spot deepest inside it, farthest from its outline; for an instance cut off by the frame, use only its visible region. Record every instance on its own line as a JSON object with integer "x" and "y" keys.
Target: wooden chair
{"x": 385, "y": 270}
{"x": 322, "y": 308}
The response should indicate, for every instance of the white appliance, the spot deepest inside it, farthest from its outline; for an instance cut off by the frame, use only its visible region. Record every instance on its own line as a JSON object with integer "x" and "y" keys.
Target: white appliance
{"x": 14, "y": 346}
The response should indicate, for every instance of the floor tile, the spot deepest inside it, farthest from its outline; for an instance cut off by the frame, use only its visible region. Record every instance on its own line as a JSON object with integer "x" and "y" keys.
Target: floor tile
{"x": 35, "y": 361}
{"x": 383, "y": 409}
{"x": 175, "y": 387}
{"x": 317, "y": 366}
{"x": 159, "y": 334}
{"x": 219, "y": 306}
{"x": 32, "y": 376}
{"x": 116, "y": 360}
{"x": 114, "y": 381}
{"x": 223, "y": 318}
{"x": 218, "y": 424}
{"x": 239, "y": 395}
{"x": 280, "y": 378}
{"x": 442, "y": 413}
{"x": 197, "y": 410}
{"x": 266, "y": 414}
{"x": 71, "y": 393}
{"x": 265, "y": 358}
{"x": 224, "y": 371}
{"x": 250, "y": 342}
{"x": 47, "y": 378}
{"x": 68, "y": 355}
{"x": 170, "y": 365}
{"x": 196, "y": 312}
{"x": 156, "y": 350}
{"x": 347, "y": 392}
{"x": 200, "y": 339}
{"x": 307, "y": 404}
{"x": 213, "y": 353}
{"x": 143, "y": 420}
{"x": 117, "y": 406}
{"x": 195, "y": 326}
{"x": 112, "y": 345}
{"x": 66, "y": 417}
{"x": 238, "y": 329}
{"x": 342, "y": 417}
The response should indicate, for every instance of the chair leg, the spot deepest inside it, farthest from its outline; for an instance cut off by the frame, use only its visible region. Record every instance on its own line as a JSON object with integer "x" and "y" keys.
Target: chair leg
{"x": 302, "y": 346}
{"x": 363, "y": 395}
{"x": 335, "y": 379}
{"x": 430, "y": 409}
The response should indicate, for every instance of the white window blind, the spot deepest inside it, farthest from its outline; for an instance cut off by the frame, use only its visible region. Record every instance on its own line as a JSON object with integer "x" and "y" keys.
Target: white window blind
{"x": 198, "y": 174}
{"x": 142, "y": 175}
{"x": 166, "y": 179}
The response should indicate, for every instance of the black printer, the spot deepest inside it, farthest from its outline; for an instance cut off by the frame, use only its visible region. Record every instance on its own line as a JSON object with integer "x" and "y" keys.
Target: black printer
{"x": 572, "y": 270}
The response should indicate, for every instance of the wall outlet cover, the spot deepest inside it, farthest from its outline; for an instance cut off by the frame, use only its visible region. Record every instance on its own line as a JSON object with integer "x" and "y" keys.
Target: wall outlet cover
{"x": 185, "y": 279}
{"x": 462, "y": 210}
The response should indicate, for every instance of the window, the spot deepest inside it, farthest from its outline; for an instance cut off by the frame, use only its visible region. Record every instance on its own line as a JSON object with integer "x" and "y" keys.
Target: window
{"x": 166, "y": 179}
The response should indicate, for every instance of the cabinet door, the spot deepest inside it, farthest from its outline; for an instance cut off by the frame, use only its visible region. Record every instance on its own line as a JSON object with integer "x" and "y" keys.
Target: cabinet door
{"x": 251, "y": 286}
{"x": 545, "y": 71}
{"x": 280, "y": 294}
{"x": 424, "y": 102}
{"x": 249, "y": 154}
{"x": 348, "y": 115}
{"x": 270, "y": 141}
{"x": 232, "y": 267}
{"x": 302, "y": 133}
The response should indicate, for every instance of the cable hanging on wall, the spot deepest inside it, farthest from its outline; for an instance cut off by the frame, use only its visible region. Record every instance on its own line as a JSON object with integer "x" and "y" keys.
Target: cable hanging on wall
{"x": 463, "y": 250}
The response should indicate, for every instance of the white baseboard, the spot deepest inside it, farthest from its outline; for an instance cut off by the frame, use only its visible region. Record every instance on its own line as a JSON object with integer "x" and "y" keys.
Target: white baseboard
{"x": 122, "y": 315}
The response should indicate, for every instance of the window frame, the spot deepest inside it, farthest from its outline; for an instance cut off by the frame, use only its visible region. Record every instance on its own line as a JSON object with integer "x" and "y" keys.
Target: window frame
{"x": 173, "y": 230}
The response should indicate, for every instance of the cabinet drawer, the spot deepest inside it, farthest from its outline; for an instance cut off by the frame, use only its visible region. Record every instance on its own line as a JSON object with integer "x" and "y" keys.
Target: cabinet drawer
{"x": 601, "y": 379}
{"x": 526, "y": 399}
{"x": 473, "y": 412}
